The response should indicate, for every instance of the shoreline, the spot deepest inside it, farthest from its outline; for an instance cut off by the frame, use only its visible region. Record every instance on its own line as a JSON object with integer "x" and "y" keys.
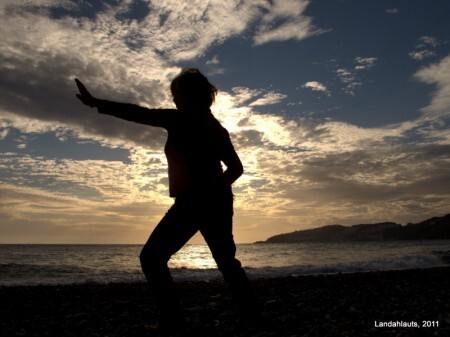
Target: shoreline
{"x": 347, "y": 304}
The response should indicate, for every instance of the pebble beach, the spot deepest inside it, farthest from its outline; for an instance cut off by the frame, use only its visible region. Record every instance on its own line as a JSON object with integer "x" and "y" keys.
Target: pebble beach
{"x": 388, "y": 303}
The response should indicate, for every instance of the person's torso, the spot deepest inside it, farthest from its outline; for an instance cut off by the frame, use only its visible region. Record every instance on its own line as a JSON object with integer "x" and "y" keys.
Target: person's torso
{"x": 194, "y": 151}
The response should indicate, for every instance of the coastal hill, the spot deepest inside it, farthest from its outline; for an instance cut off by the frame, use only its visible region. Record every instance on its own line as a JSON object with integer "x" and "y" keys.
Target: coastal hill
{"x": 437, "y": 228}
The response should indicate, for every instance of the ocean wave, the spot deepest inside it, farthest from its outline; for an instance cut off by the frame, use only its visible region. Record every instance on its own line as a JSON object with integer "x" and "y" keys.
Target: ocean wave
{"x": 412, "y": 261}
{"x": 28, "y": 274}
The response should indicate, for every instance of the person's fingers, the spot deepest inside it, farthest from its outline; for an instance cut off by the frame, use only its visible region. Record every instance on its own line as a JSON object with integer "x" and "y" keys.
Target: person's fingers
{"x": 84, "y": 96}
{"x": 82, "y": 88}
{"x": 79, "y": 83}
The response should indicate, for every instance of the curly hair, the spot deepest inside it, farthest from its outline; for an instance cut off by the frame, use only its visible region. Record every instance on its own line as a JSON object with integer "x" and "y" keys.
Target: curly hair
{"x": 194, "y": 88}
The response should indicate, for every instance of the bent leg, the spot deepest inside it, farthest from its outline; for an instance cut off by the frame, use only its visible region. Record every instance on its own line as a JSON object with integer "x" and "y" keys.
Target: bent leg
{"x": 169, "y": 236}
{"x": 219, "y": 238}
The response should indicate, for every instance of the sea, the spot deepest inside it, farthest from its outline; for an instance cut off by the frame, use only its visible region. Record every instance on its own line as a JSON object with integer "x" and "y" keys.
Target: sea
{"x": 103, "y": 264}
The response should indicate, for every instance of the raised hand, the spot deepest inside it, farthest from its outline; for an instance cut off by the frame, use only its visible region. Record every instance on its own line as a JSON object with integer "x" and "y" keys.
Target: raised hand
{"x": 85, "y": 96}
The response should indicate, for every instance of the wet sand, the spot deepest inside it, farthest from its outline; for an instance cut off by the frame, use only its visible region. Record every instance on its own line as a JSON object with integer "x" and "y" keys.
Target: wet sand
{"x": 354, "y": 304}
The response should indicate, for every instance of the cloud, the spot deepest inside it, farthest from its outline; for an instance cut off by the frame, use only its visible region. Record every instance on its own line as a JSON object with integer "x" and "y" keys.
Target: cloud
{"x": 428, "y": 41}
{"x": 384, "y": 177}
{"x": 33, "y": 215}
{"x": 350, "y": 77}
{"x": 213, "y": 61}
{"x": 37, "y": 45}
{"x": 424, "y": 48}
{"x": 269, "y": 99}
{"x": 365, "y": 63}
{"x": 91, "y": 178}
{"x": 316, "y": 86}
{"x": 284, "y": 20}
{"x": 3, "y": 130}
{"x": 63, "y": 196}
{"x": 421, "y": 54}
{"x": 436, "y": 115}
{"x": 117, "y": 57}
{"x": 392, "y": 10}
{"x": 212, "y": 66}
{"x": 243, "y": 94}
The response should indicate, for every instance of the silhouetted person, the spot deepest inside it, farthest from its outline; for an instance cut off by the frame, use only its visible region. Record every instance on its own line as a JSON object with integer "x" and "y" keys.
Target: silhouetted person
{"x": 195, "y": 147}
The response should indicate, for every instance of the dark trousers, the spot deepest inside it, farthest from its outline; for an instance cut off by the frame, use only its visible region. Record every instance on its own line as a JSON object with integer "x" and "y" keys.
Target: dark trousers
{"x": 211, "y": 214}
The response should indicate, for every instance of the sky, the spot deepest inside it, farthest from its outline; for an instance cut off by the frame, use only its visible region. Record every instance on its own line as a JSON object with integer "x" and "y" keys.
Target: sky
{"x": 339, "y": 111}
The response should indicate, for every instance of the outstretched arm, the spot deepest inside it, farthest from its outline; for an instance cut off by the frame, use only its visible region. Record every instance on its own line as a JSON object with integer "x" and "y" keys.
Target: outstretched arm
{"x": 129, "y": 112}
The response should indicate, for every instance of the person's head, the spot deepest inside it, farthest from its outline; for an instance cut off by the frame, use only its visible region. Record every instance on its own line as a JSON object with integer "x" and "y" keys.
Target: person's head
{"x": 191, "y": 89}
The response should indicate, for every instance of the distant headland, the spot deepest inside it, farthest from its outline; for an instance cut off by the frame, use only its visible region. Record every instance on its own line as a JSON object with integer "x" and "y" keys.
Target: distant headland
{"x": 437, "y": 228}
